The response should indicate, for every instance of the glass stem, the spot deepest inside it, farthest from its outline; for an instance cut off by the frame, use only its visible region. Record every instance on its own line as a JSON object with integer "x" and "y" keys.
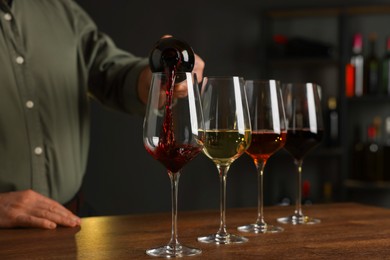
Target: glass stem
{"x": 260, "y": 165}
{"x": 298, "y": 202}
{"x": 223, "y": 169}
{"x": 174, "y": 177}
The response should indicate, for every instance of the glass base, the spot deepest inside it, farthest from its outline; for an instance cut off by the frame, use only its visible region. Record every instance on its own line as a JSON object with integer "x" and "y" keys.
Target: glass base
{"x": 298, "y": 220}
{"x": 260, "y": 228}
{"x": 222, "y": 239}
{"x": 173, "y": 251}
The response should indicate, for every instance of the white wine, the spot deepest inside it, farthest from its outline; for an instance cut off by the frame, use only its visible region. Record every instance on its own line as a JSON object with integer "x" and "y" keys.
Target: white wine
{"x": 224, "y": 146}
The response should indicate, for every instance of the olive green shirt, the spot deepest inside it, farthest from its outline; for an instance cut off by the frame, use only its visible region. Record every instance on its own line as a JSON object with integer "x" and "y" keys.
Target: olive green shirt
{"x": 52, "y": 60}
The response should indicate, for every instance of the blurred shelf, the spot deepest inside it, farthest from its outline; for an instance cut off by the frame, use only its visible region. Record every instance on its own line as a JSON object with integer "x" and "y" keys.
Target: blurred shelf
{"x": 320, "y": 151}
{"x": 303, "y": 62}
{"x": 365, "y": 10}
{"x": 306, "y": 12}
{"x": 328, "y": 151}
{"x": 337, "y": 23}
{"x": 331, "y": 11}
{"x": 357, "y": 184}
{"x": 368, "y": 99}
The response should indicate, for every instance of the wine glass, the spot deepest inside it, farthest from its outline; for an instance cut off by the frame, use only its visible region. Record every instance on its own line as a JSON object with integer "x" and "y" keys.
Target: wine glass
{"x": 304, "y": 132}
{"x": 268, "y": 123}
{"x": 227, "y": 136}
{"x": 171, "y": 136}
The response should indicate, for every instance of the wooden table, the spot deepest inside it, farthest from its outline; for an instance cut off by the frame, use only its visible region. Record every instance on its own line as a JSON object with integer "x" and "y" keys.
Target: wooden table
{"x": 347, "y": 231}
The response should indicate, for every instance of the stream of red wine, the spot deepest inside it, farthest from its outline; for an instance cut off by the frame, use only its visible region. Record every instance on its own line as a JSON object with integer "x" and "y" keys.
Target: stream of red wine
{"x": 170, "y": 152}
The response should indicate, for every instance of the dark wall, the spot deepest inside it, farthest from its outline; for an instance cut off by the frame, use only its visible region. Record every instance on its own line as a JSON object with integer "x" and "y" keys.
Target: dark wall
{"x": 121, "y": 176}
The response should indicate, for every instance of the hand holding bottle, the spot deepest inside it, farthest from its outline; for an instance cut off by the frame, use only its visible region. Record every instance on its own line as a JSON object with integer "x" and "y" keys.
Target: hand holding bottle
{"x": 173, "y": 54}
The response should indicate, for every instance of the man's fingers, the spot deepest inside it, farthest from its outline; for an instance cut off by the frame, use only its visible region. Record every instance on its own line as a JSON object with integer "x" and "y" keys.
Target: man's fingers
{"x": 61, "y": 215}
{"x": 55, "y": 207}
{"x": 53, "y": 211}
{"x": 68, "y": 220}
{"x": 180, "y": 90}
{"x": 199, "y": 68}
{"x": 32, "y": 221}
{"x": 31, "y": 209}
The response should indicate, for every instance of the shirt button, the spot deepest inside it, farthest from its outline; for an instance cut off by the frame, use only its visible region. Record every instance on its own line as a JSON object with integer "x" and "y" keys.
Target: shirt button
{"x": 38, "y": 150}
{"x": 8, "y": 17}
{"x": 19, "y": 60}
{"x": 29, "y": 104}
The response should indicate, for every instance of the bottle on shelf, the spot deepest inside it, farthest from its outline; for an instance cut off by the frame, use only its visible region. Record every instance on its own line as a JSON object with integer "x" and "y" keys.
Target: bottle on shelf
{"x": 284, "y": 199}
{"x": 371, "y": 67}
{"x": 349, "y": 80}
{"x": 357, "y": 61}
{"x": 328, "y": 192}
{"x": 333, "y": 131}
{"x": 386, "y": 69}
{"x": 377, "y": 124}
{"x": 373, "y": 170}
{"x": 306, "y": 200}
{"x": 357, "y": 159}
{"x": 386, "y": 151}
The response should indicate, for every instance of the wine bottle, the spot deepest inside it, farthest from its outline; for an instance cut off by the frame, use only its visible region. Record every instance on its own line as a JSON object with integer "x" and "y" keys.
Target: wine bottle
{"x": 306, "y": 200}
{"x": 332, "y": 122}
{"x": 357, "y": 60}
{"x": 371, "y": 68}
{"x": 358, "y": 162}
{"x": 373, "y": 155}
{"x": 386, "y": 151}
{"x": 171, "y": 54}
{"x": 328, "y": 192}
{"x": 349, "y": 80}
{"x": 284, "y": 199}
{"x": 377, "y": 122}
{"x": 386, "y": 69}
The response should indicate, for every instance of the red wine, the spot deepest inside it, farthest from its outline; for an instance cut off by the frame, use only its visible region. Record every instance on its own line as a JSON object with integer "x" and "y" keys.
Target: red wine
{"x": 300, "y": 142}
{"x": 174, "y": 157}
{"x": 264, "y": 144}
{"x": 171, "y": 154}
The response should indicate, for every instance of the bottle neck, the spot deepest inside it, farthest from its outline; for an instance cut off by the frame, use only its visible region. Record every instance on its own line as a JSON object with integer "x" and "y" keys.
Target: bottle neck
{"x": 357, "y": 44}
{"x": 388, "y": 45}
{"x": 371, "y": 133}
{"x": 387, "y": 130}
{"x": 357, "y": 50}
{"x": 372, "y": 47}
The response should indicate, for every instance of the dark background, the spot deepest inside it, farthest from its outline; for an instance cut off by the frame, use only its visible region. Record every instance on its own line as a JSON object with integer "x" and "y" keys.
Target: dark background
{"x": 121, "y": 177}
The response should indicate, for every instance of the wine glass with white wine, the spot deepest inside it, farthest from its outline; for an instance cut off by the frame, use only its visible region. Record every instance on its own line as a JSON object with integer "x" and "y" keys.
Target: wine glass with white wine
{"x": 227, "y": 135}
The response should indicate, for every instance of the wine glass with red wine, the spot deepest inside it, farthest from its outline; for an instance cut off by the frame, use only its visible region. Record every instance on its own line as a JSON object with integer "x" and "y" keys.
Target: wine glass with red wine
{"x": 171, "y": 135}
{"x": 305, "y": 130}
{"x": 227, "y": 135}
{"x": 268, "y": 123}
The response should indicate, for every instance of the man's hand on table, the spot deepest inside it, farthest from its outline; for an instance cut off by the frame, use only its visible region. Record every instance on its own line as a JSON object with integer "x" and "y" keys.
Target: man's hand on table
{"x": 31, "y": 209}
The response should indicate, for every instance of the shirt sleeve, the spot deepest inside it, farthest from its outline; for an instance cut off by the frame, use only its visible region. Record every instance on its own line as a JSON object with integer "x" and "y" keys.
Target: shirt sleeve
{"x": 112, "y": 73}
